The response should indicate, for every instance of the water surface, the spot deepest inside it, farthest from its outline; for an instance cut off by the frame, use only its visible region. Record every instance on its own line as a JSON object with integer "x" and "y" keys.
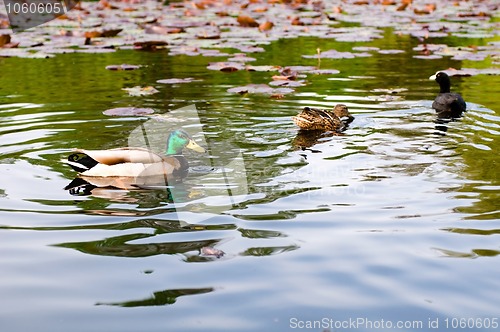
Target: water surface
{"x": 396, "y": 219}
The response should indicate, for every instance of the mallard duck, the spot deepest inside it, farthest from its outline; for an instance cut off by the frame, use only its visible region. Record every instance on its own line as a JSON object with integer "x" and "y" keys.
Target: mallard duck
{"x": 326, "y": 120}
{"x": 447, "y": 104}
{"x": 138, "y": 163}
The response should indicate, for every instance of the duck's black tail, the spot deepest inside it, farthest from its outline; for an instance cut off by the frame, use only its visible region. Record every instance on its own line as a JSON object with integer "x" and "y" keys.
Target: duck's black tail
{"x": 81, "y": 162}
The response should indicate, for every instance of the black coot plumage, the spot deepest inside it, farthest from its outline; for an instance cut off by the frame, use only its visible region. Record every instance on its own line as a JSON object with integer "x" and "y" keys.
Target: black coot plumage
{"x": 447, "y": 104}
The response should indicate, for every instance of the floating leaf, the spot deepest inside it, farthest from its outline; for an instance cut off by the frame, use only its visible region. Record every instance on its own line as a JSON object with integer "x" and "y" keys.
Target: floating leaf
{"x": 94, "y": 50}
{"x": 480, "y": 56}
{"x": 260, "y": 89}
{"x": 103, "y": 33}
{"x": 240, "y": 57}
{"x": 428, "y": 57}
{"x": 247, "y": 21}
{"x": 365, "y": 48}
{"x": 226, "y": 66}
{"x": 6, "y": 43}
{"x": 211, "y": 251}
{"x": 4, "y": 39}
{"x": 262, "y": 68}
{"x": 299, "y": 69}
{"x": 208, "y": 34}
{"x": 128, "y": 111}
{"x": 140, "y": 91}
{"x": 384, "y": 98}
{"x": 149, "y": 45}
{"x": 324, "y": 71}
{"x": 471, "y": 71}
{"x": 266, "y": 26}
{"x": 287, "y": 83}
{"x": 390, "y": 91}
{"x": 161, "y": 30}
{"x": 122, "y": 67}
{"x": 334, "y": 54}
{"x": 176, "y": 80}
{"x": 250, "y": 49}
{"x": 363, "y": 22}
{"x": 390, "y": 51}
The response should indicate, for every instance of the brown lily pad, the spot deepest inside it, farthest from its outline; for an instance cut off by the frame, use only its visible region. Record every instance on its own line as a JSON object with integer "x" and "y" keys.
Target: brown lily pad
{"x": 226, "y": 66}
{"x": 266, "y": 26}
{"x": 5, "y": 42}
{"x": 247, "y": 21}
{"x": 150, "y": 45}
{"x": 103, "y": 33}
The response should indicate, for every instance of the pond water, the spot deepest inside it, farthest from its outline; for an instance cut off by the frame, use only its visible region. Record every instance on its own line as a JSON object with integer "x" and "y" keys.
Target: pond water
{"x": 395, "y": 220}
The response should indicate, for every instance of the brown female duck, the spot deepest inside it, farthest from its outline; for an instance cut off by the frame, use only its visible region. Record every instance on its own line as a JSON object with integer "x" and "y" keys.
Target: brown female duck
{"x": 326, "y": 120}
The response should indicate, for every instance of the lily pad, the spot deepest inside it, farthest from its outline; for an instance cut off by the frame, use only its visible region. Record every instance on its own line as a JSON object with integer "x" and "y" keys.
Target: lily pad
{"x": 241, "y": 58}
{"x": 471, "y": 71}
{"x": 260, "y": 89}
{"x": 365, "y": 48}
{"x": 208, "y": 34}
{"x": 176, "y": 80}
{"x": 250, "y": 49}
{"x": 128, "y": 111}
{"x": 480, "y": 56}
{"x": 150, "y": 45}
{"x": 300, "y": 69}
{"x": 247, "y": 21}
{"x": 262, "y": 68}
{"x": 123, "y": 67}
{"x": 334, "y": 54}
{"x": 390, "y": 91}
{"x": 141, "y": 91}
{"x": 390, "y": 51}
{"x": 324, "y": 71}
{"x": 226, "y": 66}
{"x": 428, "y": 57}
{"x": 211, "y": 251}
{"x": 287, "y": 83}
{"x": 102, "y": 33}
{"x": 161, "y": 30}
{"x": 5, "y": 42}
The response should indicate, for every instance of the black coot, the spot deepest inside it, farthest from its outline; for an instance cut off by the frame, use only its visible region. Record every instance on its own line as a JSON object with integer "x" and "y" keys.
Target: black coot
{"x": 447, "y": 104}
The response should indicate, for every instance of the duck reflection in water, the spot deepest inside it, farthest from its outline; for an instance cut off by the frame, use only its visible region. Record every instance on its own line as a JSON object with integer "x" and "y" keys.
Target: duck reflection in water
{"x": 316, "y": 124}
{"x": 126, "y": 192}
